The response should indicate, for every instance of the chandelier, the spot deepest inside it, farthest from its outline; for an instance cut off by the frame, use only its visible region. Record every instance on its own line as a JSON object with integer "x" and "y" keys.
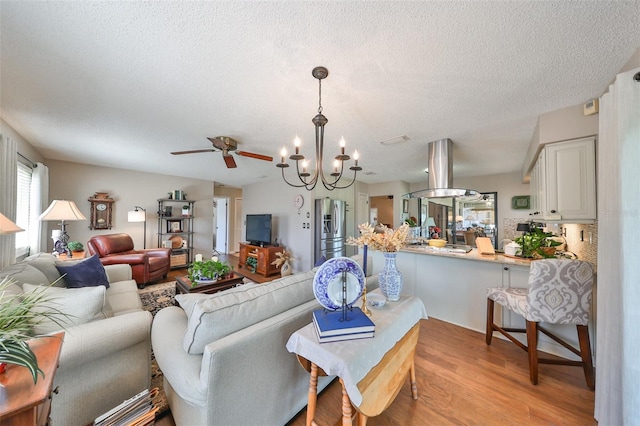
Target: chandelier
{"x": 309, "y": 180}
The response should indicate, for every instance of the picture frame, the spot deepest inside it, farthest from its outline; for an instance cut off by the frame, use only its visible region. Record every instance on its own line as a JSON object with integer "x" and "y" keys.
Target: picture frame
{"x": 405, "y": 206}
{"x": 174, "y": 225}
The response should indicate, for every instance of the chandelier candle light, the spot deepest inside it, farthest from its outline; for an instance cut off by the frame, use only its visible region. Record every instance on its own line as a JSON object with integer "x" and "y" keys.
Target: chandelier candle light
{"x": 306, "y": 181}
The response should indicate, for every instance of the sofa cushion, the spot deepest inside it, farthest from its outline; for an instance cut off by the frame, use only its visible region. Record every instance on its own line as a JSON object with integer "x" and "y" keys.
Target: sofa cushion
{"x": 86, "y": 273}
{"x": 214, "y": 316}
{"x": 77, "y": 306}
{"x": 24, "y": 273}
{"x": 46, "y": 263}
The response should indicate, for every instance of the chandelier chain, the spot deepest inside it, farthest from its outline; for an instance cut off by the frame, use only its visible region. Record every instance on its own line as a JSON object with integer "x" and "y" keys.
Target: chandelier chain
{"x": 319, "y": 96}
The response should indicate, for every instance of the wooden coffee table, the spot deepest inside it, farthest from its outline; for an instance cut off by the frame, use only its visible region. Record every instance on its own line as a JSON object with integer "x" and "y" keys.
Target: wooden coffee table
{"x": 184, "y": 285}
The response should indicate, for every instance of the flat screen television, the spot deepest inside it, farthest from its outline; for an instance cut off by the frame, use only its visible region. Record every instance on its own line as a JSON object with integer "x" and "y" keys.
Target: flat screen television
{"x": 259, "y": 229}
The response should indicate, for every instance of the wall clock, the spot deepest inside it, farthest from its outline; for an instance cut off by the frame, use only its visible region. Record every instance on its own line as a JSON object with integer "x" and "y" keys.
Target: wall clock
{"x": 101, "y": 211}
{"x": 298, "y": 202}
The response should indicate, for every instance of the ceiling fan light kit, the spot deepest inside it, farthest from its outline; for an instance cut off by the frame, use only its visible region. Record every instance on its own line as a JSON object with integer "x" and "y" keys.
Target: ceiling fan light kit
{"x": 304, "y": 176}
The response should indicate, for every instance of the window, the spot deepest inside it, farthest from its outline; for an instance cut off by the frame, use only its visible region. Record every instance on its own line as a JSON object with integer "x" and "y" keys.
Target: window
{"x": 23, "y": 218}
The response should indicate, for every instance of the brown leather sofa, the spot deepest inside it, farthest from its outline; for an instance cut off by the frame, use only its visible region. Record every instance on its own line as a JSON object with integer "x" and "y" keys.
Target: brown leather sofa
{"x": 147, "y": 264}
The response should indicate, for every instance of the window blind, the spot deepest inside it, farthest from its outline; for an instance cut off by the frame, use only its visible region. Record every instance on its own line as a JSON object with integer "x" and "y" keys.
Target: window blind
{"x": 22, "y": 209}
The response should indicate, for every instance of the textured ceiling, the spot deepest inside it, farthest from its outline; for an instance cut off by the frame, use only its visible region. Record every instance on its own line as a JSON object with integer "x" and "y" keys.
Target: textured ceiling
{"x": 122, "y": 84}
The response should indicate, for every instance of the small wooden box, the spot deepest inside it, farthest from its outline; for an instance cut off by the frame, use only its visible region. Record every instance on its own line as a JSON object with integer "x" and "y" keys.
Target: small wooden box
{"x": 178, "y": 259}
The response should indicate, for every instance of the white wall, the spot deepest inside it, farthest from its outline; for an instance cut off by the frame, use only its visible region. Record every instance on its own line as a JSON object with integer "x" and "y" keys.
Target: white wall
{"x": 78, "y": 182}
{"x": 276, "y": 197}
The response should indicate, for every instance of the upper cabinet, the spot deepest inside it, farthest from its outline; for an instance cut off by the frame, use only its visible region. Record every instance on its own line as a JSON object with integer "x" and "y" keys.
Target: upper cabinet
{"x": 563, "y": 182}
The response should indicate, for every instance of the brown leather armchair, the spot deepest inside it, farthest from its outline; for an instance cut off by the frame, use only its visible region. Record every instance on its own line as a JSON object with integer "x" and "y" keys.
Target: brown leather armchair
{"x": 147, "y": 264}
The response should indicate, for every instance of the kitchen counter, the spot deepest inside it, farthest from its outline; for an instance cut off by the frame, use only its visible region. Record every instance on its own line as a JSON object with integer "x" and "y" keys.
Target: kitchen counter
{"x": 472, "y": 255}
{"x": 453, "y": 287}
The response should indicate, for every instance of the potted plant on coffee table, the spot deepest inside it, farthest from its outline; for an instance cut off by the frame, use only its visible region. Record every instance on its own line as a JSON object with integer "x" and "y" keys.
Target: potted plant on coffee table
{"x": 208, "y": 270}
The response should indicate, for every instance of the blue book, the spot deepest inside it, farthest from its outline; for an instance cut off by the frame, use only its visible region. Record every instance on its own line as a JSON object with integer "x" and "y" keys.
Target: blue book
{"x": 339, "y": 337}
{"x": 331, "y": 324}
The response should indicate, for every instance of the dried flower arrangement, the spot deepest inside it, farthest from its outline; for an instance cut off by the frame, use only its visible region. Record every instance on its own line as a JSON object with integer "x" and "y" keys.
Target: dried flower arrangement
{"x": 283, "y": 256}
{"x": 381, "y": 238}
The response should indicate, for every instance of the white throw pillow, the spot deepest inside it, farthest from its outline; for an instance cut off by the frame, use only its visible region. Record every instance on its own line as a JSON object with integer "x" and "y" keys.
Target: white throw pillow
{"x": 78, "y": 305}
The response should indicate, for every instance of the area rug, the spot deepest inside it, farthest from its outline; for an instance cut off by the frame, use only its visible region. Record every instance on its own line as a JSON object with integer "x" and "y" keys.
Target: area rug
{"x": 155, "y": 297}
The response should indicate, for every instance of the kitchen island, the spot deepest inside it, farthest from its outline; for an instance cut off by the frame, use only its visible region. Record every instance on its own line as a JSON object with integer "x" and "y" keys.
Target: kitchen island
{"x": 453, "y": 286}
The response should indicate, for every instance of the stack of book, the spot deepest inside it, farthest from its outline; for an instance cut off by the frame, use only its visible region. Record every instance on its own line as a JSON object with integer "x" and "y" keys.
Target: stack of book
{"x": 136, "y": 411}
{"x": 330, "y": 326}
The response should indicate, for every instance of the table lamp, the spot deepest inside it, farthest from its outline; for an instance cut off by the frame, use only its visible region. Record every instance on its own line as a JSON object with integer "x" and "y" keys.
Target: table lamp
{"x": 139, "y": 215}
{"x": 430, "y": 223}
{"x": 7, "y": 226}
{"x": 62, "y": 210}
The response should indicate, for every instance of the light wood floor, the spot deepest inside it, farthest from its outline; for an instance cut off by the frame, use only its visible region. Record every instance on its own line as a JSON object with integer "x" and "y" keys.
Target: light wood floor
{"x": 462, "y": 381}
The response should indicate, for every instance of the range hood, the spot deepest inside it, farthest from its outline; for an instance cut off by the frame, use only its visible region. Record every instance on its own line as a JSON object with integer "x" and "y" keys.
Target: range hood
{"x": 440, "y": 162}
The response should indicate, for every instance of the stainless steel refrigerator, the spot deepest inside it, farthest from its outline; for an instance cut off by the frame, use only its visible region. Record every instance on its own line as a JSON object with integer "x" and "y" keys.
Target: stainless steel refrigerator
{"x": 331, "y": 232}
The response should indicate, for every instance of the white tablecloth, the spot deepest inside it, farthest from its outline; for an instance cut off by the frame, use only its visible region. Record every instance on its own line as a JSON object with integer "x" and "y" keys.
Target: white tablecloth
{"x": 351, "y": 360}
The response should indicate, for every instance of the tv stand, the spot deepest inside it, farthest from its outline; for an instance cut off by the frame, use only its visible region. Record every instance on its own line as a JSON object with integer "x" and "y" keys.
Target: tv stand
{"x": 265, "y": 256}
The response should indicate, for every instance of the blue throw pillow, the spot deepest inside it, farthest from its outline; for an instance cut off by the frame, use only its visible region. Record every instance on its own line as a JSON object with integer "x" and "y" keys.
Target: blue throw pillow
{"x": 320, "y": 262}
{"x": 86, "y": 273}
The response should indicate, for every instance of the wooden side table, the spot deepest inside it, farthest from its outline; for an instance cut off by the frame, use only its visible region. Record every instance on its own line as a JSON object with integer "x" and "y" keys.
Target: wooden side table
{"x": 371, "y": 371}
{"x": 75, "y": 255}
{"x": 22, "y": 402}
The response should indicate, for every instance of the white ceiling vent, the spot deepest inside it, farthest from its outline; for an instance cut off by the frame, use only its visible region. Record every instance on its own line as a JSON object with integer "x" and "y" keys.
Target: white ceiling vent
{"x": 395, "y": 140}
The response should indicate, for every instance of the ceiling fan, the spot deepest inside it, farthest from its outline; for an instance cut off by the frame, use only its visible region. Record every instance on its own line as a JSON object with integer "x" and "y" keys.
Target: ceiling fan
{"x": 226, "y": 145}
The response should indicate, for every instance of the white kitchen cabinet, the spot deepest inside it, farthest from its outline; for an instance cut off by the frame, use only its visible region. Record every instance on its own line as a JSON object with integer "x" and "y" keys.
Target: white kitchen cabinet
{"x": 563, "y": 181}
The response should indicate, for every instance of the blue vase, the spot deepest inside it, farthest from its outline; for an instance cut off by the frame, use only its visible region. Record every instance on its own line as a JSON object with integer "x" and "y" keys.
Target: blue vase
{"x": 390, "y": 278}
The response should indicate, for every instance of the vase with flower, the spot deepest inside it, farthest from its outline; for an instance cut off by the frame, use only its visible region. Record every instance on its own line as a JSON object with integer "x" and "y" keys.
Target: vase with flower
{"x": 388, "y": 241}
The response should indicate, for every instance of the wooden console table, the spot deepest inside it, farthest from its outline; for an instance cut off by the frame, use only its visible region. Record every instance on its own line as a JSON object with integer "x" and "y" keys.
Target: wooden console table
{"x": 264, "y": 256}
{"x": 22, "y": 402}
{"x": 371, "y": 371}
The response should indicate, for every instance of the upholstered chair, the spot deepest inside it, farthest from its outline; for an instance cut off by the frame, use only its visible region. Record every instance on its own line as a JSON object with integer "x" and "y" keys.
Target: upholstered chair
{"x": 559, "y": 292}
{"x": 147, "y": 264}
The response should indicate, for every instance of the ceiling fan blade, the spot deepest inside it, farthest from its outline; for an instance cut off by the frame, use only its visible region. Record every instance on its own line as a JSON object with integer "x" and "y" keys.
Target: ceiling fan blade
{"x": 254, "y": 155}
{"x": 229, "y": 161}
{"x": 193, "y": 151}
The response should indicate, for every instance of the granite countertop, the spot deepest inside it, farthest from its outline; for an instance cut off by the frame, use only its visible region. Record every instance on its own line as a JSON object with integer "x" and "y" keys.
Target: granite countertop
{"x": 472, "y": 255}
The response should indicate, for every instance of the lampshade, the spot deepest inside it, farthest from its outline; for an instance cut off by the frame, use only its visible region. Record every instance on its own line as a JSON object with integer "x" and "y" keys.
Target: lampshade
{"x": 459, "y": 218}
{"x": 431, "y": 222}
{"x": 62, "y": 210}
{"x": 470, "y": 217}
{"x": 7, "y": 226}
{"x": 136, "y": 216}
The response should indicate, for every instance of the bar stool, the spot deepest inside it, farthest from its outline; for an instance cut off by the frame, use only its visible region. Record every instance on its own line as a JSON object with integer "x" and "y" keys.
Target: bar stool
{"x": 559, "y": 292}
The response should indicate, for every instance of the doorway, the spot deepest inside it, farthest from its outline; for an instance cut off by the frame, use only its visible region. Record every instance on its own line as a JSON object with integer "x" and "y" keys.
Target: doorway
{"x": 221, "y": 225}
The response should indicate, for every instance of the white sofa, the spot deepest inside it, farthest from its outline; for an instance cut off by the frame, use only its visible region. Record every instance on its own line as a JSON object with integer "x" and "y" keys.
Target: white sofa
{"x": 103, "y": 361}
{"x": 223, "y": 356}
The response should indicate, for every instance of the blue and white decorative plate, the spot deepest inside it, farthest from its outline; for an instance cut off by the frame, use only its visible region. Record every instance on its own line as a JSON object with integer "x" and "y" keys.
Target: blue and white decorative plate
{"x": 327, "y": 283}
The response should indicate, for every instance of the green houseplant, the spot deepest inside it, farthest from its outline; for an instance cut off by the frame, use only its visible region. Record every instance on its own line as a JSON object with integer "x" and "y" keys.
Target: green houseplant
{"x": 535, "y": 242}
{"x": 18, "y": 314}
{"x": 75, "y": 246}
{"x": 211, "y": 269}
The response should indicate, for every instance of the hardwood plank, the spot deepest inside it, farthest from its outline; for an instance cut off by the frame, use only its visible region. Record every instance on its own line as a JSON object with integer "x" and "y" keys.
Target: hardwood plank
{"x": 461, "y": 380}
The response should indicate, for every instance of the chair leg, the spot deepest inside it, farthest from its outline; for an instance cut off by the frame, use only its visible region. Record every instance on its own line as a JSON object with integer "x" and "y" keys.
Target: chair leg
{"x": 489, "y": 332}
{"x": 532, "y": 350}
{"x": 585, "y": 354}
